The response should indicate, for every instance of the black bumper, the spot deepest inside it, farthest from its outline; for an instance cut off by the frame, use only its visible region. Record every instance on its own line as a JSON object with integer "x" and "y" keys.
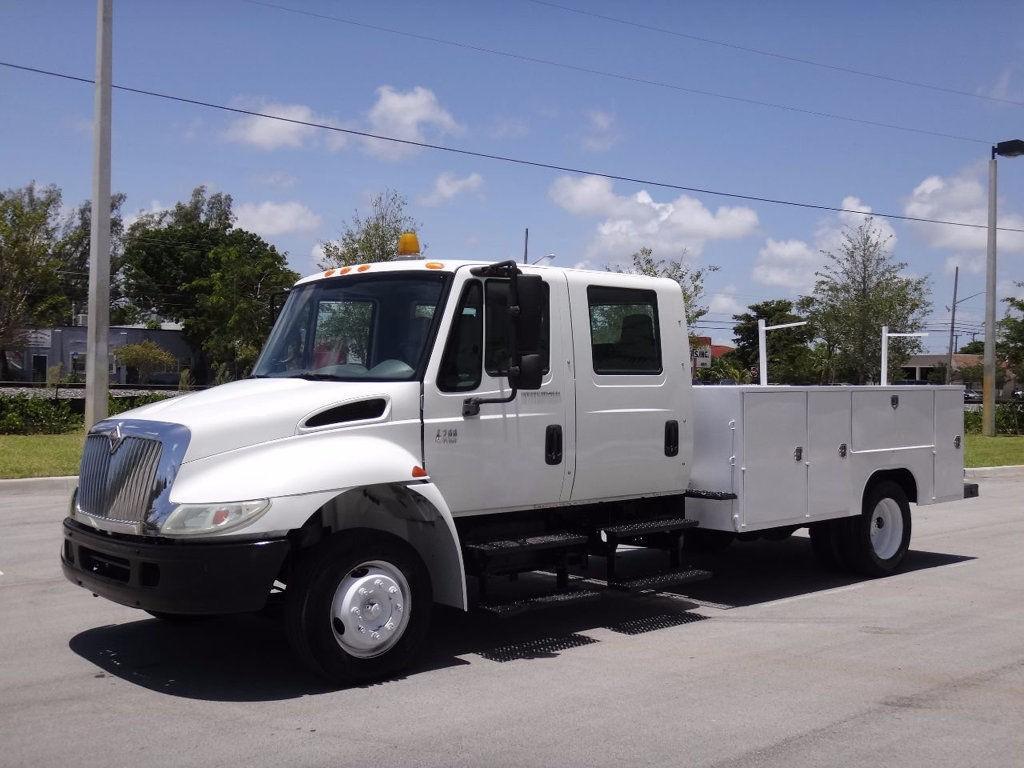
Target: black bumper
{"x": 172, "y": 576}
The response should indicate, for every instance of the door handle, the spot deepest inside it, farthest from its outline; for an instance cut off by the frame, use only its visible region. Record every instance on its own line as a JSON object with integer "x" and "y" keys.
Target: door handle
{"x": 553, "y": 444}
{"x": 672, "y": 438}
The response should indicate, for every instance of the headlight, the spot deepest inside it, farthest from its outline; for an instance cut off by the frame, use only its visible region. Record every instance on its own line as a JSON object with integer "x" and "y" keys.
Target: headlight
{"x": 188, "y": 519}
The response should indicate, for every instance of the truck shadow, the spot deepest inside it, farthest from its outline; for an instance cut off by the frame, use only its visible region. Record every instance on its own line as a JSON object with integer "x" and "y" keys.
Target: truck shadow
{"x": 246, "y": 657}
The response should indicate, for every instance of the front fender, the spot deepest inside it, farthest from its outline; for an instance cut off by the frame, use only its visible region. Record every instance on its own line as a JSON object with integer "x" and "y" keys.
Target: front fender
{"x": 303, "y": 464}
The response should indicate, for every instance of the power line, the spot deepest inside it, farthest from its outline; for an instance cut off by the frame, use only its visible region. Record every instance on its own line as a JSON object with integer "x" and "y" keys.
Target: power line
{"x": 616, "y": 75}
{"x": 507, "y": 159}
{"x": 781, "y": 56}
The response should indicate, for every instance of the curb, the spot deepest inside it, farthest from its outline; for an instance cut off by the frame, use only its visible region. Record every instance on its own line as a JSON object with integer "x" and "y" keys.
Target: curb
{"x": 1011, "y": 469}
{"x": 31, "y": 486}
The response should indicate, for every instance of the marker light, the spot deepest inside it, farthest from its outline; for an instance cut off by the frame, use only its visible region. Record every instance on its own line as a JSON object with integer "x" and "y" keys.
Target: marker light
{"x": 408, "y": 245}
{"x": 434, "y": 265}
{"x": 362, "y": 267}
{"x": 191, "y": 519}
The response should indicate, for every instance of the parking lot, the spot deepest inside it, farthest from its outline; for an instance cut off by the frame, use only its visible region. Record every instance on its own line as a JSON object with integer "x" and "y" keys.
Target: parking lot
{"x": 772, "y": 663}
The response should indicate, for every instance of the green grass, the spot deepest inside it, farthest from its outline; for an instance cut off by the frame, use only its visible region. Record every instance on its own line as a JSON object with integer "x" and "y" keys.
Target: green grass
{"x": 51, "y": 455}
{"x": 40, "y": 455}
{"x": 998, "y": 451}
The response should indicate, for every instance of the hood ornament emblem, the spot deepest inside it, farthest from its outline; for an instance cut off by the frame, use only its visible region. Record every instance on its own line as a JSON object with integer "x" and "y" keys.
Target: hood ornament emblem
{"x": 114, "y": 437}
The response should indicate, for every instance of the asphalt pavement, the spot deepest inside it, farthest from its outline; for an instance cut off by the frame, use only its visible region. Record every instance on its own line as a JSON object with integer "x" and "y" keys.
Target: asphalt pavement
{"x": 774, "y": 662}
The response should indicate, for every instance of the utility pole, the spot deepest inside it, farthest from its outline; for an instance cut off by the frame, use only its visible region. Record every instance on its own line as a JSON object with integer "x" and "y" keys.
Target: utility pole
{"x": 988, "y": 385}
{"x": 96, "y": 349}
{"x": 952, "y": 326}
{"x": 526, "y": 246}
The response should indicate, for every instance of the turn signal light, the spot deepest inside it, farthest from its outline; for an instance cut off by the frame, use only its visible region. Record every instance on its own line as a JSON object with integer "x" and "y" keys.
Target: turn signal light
{"x": 419, "y": 471}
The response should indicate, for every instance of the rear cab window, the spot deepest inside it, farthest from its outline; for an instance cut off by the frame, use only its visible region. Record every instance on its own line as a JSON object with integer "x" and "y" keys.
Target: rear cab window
{"x": 624, "y": 334}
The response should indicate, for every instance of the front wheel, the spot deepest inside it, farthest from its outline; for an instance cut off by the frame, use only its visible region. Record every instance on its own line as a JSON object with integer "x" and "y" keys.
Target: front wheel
{"x": 877, "y": 541}
{"x": 358, "y": 607}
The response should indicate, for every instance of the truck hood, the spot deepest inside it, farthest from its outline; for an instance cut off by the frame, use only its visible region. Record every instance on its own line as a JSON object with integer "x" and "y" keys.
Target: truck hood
{"x": 253, "y": 411}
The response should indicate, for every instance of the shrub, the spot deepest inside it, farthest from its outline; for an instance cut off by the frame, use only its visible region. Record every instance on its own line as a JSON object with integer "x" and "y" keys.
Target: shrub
{"x": 1009, "y": 419}
{"x": 118, "y": 405}
{"x": 26, "y": 415}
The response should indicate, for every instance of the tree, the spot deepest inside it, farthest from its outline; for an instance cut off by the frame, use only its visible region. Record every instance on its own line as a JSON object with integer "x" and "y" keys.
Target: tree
{"x": 234, "y": 306}
{"x": 1011, "y": 333}
{"x": 860, "y": 289}
{"x": 976, "y": 347}
{"x": 371, "y": 238}
{"x": 790, "y": 358}
{"x": 29, "y": 270}
{"x": 72, "y": 249}
{"x": 146, "y": 357}
{"x": 690, "y": 278}
{"x": 726, "y": 367}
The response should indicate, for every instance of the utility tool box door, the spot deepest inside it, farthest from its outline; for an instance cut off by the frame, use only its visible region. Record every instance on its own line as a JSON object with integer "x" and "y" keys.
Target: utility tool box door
{"x": 828, "y": 453}
{"x": 949, "y": 444}
{"x": 774, "y": 456}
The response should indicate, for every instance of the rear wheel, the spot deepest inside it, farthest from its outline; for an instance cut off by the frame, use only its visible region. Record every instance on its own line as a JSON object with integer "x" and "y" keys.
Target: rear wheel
{"x": 358, "y": 607}
{"x": 877, "y": 541}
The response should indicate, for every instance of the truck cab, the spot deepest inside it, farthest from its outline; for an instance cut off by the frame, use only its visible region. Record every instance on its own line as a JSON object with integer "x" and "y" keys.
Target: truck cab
{"x": 414, "y": 430}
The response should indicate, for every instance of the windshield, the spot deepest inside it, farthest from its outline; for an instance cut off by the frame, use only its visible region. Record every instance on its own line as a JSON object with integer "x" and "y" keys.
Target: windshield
{"x": 364, "y": 327}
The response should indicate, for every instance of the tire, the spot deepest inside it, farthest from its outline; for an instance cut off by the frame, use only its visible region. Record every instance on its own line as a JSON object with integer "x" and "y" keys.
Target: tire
{"x": 710, "y": 542}
{"x": 357, "y": 607}
{"x": 877, "y": 540}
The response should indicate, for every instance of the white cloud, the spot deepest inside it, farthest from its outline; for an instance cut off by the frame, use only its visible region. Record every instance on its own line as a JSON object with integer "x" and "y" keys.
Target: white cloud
{"x": 791, "y": 264}
{"x": 448, "y": 185}
{"x": 1005, "y": 86}
{"x": 787, "y": 264}
{"x": 963, "y": 197}
{"x": 269, "y": 219}
{"x": 277, "y": 180}
{"x": 266, "y": 133}
{"x": 509, "y": 128}
{"x": 631, "y": 222}
{"x": 600, "y": 135}
{"x": 724, "y": 302}
{"x": 415, "y": 115}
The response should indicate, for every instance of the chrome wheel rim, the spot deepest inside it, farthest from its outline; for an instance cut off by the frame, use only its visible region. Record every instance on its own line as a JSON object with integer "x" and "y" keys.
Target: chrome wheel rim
{"x": 370, "y": 610}
{"x": 886, "y": 528}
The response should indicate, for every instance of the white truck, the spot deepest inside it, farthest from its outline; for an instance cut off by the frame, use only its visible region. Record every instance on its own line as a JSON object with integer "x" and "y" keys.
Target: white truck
{"x": 415, "y": 430}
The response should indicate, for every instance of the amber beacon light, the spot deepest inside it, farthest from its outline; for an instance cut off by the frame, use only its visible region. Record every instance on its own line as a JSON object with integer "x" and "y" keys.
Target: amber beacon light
{"x": 409, "y": 246}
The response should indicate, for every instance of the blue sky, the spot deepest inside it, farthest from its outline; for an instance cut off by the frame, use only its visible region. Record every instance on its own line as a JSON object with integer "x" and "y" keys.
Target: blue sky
{"x": 296, "y": 186}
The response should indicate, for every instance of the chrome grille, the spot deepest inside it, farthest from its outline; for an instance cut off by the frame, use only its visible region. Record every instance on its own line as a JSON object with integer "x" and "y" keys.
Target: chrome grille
{"x": 118, "y": 479}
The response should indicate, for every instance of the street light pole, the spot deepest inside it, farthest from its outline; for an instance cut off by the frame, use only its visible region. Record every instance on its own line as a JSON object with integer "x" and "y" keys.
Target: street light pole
{"x": 96, "y": 348}
{"x": 1012, "y": 148}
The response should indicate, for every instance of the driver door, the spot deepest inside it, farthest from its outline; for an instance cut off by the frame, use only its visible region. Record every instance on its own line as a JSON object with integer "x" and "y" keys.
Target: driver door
{"x": 514, "y": 455}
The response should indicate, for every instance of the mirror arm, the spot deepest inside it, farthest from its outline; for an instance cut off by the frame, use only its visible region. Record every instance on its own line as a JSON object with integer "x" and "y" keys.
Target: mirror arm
{"x": 471, "y": 405}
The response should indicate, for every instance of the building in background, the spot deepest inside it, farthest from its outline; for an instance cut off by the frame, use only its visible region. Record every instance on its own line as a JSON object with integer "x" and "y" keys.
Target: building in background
{"x": 65, "y": 346}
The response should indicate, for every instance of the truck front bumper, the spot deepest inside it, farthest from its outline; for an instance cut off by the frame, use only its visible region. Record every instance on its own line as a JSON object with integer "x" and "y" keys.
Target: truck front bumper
{"x": 172, "y": 576}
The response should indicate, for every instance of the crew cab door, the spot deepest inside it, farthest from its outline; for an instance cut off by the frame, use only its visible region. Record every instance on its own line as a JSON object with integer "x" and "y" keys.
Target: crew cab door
{"x": 512, "y": 455}
{"x": 633, "y": 430}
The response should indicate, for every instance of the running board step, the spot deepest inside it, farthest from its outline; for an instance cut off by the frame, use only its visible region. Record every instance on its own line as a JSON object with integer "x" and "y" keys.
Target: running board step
{"x": 557, "y": 540}
{"x": 550, "y": 600}
{"x": 696, "y": 493}
{"x": 659, "y": 580}
{"x": 643, "y": 527}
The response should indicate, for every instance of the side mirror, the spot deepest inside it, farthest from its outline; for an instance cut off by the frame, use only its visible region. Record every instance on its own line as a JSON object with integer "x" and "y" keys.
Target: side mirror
{"x": 530, "y": 372}
{"x": 530, "y": 290}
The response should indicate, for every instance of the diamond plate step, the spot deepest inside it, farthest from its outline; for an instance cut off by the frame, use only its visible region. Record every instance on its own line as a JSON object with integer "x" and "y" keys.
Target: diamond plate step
{"x": 528, "y": 543}
{"x": 550, "y": 600}
{"x": 697, "y": 493}
{"x": 659, "y": 580}
{"x": 644, "y": 527}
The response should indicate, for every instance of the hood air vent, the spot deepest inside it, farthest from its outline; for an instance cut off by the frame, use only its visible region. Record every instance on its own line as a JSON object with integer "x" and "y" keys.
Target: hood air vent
{"x": 357, "y": 411}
